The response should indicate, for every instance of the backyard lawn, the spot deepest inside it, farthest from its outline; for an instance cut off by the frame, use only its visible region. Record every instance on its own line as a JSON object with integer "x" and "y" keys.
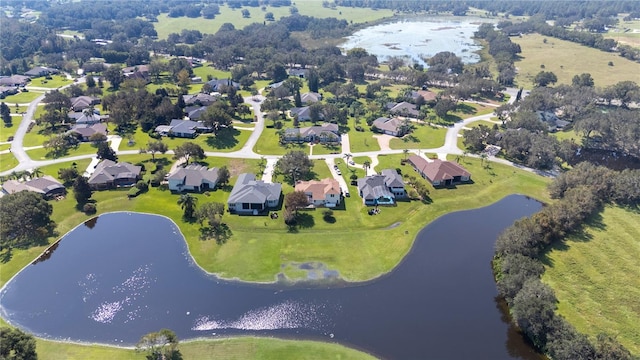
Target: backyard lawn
{"x": 596, "y": 276}
{"x": 55, "y": 82}
{"x": 269, "y": 143}
{"x": 21, "y": 98}
{"x": 422, "y": 137}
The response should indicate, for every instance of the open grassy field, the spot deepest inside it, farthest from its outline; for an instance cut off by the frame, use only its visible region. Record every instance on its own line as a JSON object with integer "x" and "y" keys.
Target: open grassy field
{"x": 219, "y": 349}
{"x": 167, "y": 25}
{"x": 7, "y": 161}
{"x": 227, "y": 141}
{"x": 566, "y": 59}
{"x": 21, "y": 98}
{"x": 5, "y": 131}
{"x": 43, "y": 154}
{"x": 422, "y": 137}
{"x": 361, "y": 140}
{"x": 55, "y": 82}
{"x": 625, "y": 32}
{"x": 596, "y": 277}
{"x": 269, "y": 143}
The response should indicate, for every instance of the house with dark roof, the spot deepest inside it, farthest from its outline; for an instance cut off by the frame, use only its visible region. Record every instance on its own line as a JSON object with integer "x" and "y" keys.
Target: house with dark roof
{"x": 14, "y": 80}
{"x": 40, "y": 71}
{"x": 200, "y": 99}
{"x": 109, "y": 174}
{"x": 439, "y": 172}
{"x": 300, "y": 73}
{"x": 302, "y": 113}
{"x": 325, "y": 192}
{"x": 137, "y": 72}
{"x": 394, "y": 183}
{"x": 8, "y": 90}
{"x": 325, "y": 133}
{"x": 85, "y": 131}
{"x": 46, "y": 185}
{"x": 182, "y": 129}
{"x": 404, "y": 108}
{"x": 195, "y": 112}
{"x": 374, "y": 191}
{"x": 252, "y": 197}
{"x": 218, "y": 84}
{"x": 310, "y": 97}
{"x": 193, "y": 177}
{"x": 391, "y": 126}
{"x": 80, "y": 103}
{"x": 553, "y": 122}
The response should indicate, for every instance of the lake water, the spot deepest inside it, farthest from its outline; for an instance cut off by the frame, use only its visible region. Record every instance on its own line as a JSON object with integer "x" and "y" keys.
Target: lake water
{"x": 124, "y": 275}
{"x": 419, "y": 38}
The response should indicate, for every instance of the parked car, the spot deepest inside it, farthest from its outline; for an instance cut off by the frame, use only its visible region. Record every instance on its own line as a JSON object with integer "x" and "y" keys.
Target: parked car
{"x": 351, "y": 162}
{"x": 338, "y": 172}
{"x": 335, "y": 167}
{"x": 347, "y": 194}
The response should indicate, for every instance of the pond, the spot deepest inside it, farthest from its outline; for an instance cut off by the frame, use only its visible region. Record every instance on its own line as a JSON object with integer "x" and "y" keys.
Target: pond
{"x": 123, "y": 275}
{"x": 419, "y": 38}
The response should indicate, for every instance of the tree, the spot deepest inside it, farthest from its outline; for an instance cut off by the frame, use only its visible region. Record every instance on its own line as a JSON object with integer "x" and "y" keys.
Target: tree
{"x": 98, "y": 138}
{"x": 294, "y": 165}
{"x": 68, "y": 175}
{"x": 106, "y": 152}
{"x": 81, "y": 190}
{"x": 188, "y": 203}
{"x": 366, "y": 165}
{"x": 534, "y": 311}
{"x": 113, "y": 74}
{"x": 5, "y": 114}
{"x": 216, "y": 118}
{"x": 246, "y": 13}
{"x": 583, "y": 79}
{"x": 269, "y": 16}
{"x": 26, "y": 220}
{"x": 189, "y": 150}
{"x": 90, "y": 81}
{"x": 60, "y": 144}
{"x": 223, "y": 175}
{"x": 296, "y": 200}
{"x": 55, "y": 100}
{"x": 161, "y": 345}
{"x": 212, "y": 213}
{"x": 544, "y": 78}
{"x": 443, "y": 106}
{"x": 184, "y": 79}
{"x": 15, "y": 344}
{"x": 154, "y": 147}
{"x": 313, "y": 80}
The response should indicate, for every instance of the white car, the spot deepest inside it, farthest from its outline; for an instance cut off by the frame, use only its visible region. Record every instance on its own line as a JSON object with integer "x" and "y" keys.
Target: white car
{"x": 338, "y": 172}
{"x": 351, "y": 162}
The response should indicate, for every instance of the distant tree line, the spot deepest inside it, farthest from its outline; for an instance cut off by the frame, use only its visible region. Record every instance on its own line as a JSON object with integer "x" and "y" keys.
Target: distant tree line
{"x": 581, "y": 192}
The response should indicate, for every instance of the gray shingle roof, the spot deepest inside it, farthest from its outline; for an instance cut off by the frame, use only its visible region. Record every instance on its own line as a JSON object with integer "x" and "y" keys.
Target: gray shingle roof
{"x": 107, "y": 171}
{"x": 373, "y": 187}
{"x": 249, "y": 190}
{"x": 194, "y": 174}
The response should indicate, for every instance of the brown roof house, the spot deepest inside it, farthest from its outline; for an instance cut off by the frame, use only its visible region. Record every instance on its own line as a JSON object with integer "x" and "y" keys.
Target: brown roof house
{"x": 46, "y": 185}
{"x": 393, "y": 127}
{"x": 405, "y": 109}
{"x": 439, "y": 172}
{"x": 80, "y": 103}
{"x": 193, "y": 177}
{"x": 85, "y": 131}
{"x": 109, "y": 174}
{"x": 325, "y": 192}
{"x": 381, "y": 189}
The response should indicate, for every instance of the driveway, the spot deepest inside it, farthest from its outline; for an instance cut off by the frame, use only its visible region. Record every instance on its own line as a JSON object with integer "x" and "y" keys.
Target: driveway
{"x": 267, "y": 175}
{"x": 383, "y": 141}
{"x": 343, "y": 184}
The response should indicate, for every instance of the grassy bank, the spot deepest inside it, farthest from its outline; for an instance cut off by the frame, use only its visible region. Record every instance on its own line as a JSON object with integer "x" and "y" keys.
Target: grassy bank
{"x": 559, "y": 57}
{"x": 237, "y": 348}
{"x": 596, "y": 277}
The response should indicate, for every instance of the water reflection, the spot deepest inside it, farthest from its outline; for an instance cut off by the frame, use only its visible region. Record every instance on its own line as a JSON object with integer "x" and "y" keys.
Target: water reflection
{"x": 136, "y": 276}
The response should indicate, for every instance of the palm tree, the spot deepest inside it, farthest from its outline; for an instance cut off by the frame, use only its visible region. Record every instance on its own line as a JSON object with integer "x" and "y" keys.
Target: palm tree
{"x": 188, "y": 203}
{"x": 366, "y": 165}
{"x": 483, "y": 156}
{"x": 348, "y": 156}
{"x": 405, "y": 152}
{"x": 36, "y": 173}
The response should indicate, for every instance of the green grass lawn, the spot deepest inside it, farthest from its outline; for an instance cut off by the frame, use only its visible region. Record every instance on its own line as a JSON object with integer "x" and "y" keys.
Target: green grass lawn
{"x": 227, "y": 141}
{"x": 269, "y": 143}
{"x": 167, "y": 25}
{"x": 596, "y": 277}
{"x": 7, "y": 162}
{"x": 37, "y": 136}
{"x": 422, "y": 137}
{"x": 21, "y": 98}
{"x": 43, "y": 154}
{"x": 5, "y": 131}
{"x": 235, "y": 348}
{"x": 568, "y": 135}
{"x": 55, "y": 82}
{"x": 559, "y": 57}
{"x": 361, "y": 141}
{"x": 324, "y": 149}
{"x": 52, "y": 170}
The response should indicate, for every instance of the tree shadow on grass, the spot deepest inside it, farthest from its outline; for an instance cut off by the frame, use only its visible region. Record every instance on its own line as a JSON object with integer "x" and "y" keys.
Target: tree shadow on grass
{"x": 6, "y": 255}
{"x": 582, "y": 234}
{"x": 225, "y": 139}
{"x": 466, "y": 109}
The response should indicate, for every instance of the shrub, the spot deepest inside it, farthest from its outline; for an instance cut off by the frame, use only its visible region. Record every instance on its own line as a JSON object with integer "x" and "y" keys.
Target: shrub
{"x": 142, "y": 186}
{"x": 89, "y": 208}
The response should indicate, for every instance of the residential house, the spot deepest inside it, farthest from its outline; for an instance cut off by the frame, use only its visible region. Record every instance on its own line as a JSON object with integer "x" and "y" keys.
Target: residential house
{"x": 394, "y": 183}
{"x": 85, "y": 118}
{"x": 85, "y": 131}
{"x": 200, "y": 99}
{"x": 252, "y": 197}
{"x": 300, "y": 73}
{"x": 310, "y": 97}
{"x": 439, "y": 172}
{"x": 275, "y": 85}
{"x": 7, "y": 91}
{"x": 391, "y": 126}
{"x": 182, "y": 129}
{"x": 551, "y": 120}
{"x": 404, "y": 108}
{"x": 193, "y": 177}
{"x": 218, "y": 84}
{"x": 40, "y": 71}
{"x": 46, "y": 185}
{"x": 427, "y": 95}
{"x": 136, "y": 72}
{"x": 83, "y": 102}
{"x": 302, "y": 113}
{"x": 195, "y": 112}
{"x": 109, "y": 174}
{"x": 325, "y": 133}
{"x": 325, "y": 192}
{"x": 14, "y": 80}
{"x": 374, "y": 190}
